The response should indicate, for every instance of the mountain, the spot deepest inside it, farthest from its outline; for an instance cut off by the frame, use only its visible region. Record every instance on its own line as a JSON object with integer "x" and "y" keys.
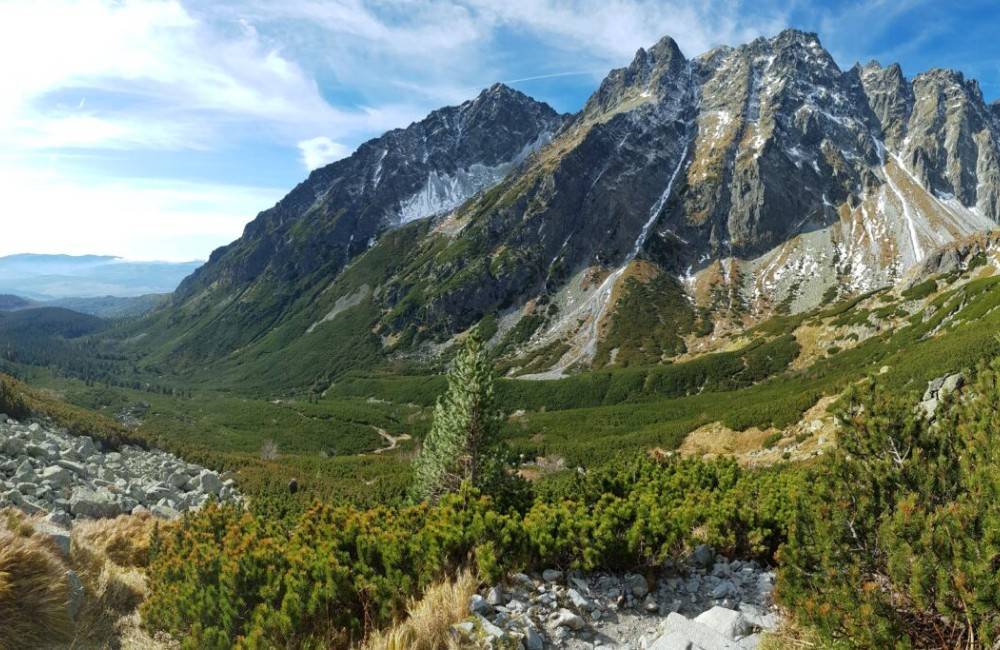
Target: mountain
{"x": 688, "y": 198}
{"x": 48, "y": 277}
{"x": 12, "y": 303}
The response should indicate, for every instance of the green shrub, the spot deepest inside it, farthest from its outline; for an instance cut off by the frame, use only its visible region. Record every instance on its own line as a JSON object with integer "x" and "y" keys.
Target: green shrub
{"x": 12, "y": 402}
{"x": 332, "y": 574}
{"x": 922, "y": 290}
{"x": 773, "y": 439}
{"x": 899, "y": 543}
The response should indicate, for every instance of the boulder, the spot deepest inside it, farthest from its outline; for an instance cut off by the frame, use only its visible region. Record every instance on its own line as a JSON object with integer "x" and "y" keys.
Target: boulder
{"x": 637, "y": 585}
{"x": 495, "y": 597}
{"x": 55, "y": 475}
{"x": 478, "y": 605}
{"x": 682, "y": 633}
{"x": 57, "y": 536}
{"x": 76, "y": 594}
{"x": 209, "y": 482}
{"x": 95, "y": 504}
{"x": 729, "y": 623}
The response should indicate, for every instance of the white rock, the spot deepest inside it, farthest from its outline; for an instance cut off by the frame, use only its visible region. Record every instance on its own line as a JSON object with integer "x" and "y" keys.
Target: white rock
{"x": 566, "y": 618}
{"x": 730, "y": 624}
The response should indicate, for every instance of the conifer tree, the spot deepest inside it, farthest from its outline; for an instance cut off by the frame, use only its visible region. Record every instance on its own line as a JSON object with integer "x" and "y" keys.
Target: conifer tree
{"x": 463, "y": 443}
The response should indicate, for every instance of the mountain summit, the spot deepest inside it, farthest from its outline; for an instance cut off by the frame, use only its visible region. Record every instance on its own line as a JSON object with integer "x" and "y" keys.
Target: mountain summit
{"x": 689, "y": 196}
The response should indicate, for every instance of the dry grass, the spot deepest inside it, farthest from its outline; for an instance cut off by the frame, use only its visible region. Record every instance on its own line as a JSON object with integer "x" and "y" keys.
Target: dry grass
{"x": 789, "y": 636}
{"x": 429, "y": 620}
{"x": 108, "y": 555}
{"x": 33, "y": 594}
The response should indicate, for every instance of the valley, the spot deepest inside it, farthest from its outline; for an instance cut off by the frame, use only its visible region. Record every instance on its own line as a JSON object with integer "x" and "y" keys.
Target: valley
{"x": 715, "y": 355}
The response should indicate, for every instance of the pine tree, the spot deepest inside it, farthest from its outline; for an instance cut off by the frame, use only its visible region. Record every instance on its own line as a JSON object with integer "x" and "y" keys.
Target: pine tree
{"x": 463, "y": 443}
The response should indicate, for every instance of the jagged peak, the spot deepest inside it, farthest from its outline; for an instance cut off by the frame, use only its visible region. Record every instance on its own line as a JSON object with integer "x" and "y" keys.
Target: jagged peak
{"x": 792, "y": 36}
{"x": 664, "y": 53}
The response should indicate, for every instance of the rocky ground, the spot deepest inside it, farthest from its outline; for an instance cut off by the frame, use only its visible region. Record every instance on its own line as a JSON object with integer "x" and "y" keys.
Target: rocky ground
{"x": 44, "y": 469}
{"x": 708, "y": 602}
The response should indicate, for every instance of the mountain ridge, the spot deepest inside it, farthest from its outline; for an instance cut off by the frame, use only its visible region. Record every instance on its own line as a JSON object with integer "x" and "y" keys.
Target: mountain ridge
{"x": 707, "y": 193}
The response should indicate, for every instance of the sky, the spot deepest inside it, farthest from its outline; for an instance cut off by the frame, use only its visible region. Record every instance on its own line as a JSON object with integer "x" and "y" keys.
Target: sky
{"x": 156, "y": 129}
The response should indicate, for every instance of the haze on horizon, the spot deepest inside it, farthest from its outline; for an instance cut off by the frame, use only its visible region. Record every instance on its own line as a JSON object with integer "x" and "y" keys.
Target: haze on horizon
{"x": 156, "y": 129}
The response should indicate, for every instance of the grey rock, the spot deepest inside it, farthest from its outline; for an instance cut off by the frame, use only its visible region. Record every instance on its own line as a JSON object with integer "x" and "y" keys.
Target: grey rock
{"x": 93, "y": 503}
{"x": 58, "y": 476}
{"x": 76, "y": 594}
{"x": 579, "y": 601}
{"x": 636, "y": 585}
{"x": 209, "y": 482}
{"x": 723, "y": 589}
{"x": 552, "y": 575}
{"x": 681, "y": 632}
{"x": 162, "y": 511}
{"x": 478, "y": 605}
{"x": 494, "y": 596}
{"x": 730, "y": 624}
{"x": 533, "y": 640}
{"x": 703, "y": 556}
{"x": 568, "y": 619}
{"x": 57, "y": 536}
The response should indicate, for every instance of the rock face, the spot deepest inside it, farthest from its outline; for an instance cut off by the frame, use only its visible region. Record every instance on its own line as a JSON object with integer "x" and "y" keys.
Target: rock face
{"x": 408, "y": 174}
{"x": 685, "y": 609}
{"x": 43, "y": 469}
{"x": 744, "y": 181}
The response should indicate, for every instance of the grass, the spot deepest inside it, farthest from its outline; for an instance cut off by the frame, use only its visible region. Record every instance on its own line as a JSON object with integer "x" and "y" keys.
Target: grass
{"x": 33, "y": 593}
{"x": 428, "y": 622}
{"x": 109, "y": 556}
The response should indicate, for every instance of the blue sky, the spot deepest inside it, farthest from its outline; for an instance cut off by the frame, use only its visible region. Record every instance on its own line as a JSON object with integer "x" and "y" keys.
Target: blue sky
{"x": 155, "y": 129}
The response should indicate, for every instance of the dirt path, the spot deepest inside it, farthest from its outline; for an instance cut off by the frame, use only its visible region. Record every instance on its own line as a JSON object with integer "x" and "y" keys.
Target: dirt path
{"x": 393, "y": 441}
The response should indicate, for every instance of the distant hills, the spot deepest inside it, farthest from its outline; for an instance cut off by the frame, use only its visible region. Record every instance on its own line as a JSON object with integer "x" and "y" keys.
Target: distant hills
{"x": 57, "y": 277}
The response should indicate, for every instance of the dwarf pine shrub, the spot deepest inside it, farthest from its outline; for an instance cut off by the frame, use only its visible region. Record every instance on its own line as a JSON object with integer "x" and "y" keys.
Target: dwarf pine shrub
{"x": 332, "y": 575}
{"x": 899, "y": 545}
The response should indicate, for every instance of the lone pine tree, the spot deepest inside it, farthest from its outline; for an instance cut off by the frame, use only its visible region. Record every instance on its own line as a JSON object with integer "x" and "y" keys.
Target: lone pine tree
{"x": 463, "y": 443}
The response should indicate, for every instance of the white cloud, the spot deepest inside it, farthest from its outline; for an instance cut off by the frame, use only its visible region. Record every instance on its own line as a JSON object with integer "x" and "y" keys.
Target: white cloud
{"x": 182, "y": 82}
{"x": 320, "y": 151}
{"x": 47, "y": 212}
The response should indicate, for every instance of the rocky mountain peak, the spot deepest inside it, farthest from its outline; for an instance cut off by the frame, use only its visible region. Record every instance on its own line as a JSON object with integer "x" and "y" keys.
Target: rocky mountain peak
{"x": 649, "y": 75}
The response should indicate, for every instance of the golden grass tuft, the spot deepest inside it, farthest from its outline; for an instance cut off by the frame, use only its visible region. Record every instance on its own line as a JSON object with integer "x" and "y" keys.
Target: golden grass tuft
{"x": 429, "y": 620}
{"x": 34, "y": 593}
{"x": 108, "y": 555}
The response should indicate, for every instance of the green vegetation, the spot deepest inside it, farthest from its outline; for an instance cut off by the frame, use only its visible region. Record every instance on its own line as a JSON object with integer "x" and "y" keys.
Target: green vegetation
{"x": 463, "y": 444}
{"x": 898, "y": 546}
{"x": 920, "y": 291}
{"x": 333, "y": 574}
{"x": 648, "y": 322}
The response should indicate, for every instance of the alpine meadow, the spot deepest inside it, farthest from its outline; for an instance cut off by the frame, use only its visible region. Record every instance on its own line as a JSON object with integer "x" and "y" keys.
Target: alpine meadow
{"x": 711, "y": 361}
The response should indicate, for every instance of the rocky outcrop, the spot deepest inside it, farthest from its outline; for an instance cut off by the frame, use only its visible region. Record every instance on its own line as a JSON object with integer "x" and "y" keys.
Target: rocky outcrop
{"x": 47, "y": 470}
{"x": 708, "y": 602}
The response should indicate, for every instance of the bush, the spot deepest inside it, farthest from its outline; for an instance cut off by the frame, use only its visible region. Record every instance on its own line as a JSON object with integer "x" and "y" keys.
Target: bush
{"x": 899, "y": 544}
{"x": 334, "y": 575}
{"x": 11, "y": 400}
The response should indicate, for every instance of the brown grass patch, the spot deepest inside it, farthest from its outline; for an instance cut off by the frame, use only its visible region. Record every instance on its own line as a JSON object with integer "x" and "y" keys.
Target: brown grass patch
{"x": 108, "y": 555}
{"x": 429, "y": 620}
{"x": 34, "y": 593}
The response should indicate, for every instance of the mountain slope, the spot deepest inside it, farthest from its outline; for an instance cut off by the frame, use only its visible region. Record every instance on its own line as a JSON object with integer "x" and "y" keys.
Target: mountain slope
{"x": 341, "y": 209}
{"x": 689, "y": 197}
